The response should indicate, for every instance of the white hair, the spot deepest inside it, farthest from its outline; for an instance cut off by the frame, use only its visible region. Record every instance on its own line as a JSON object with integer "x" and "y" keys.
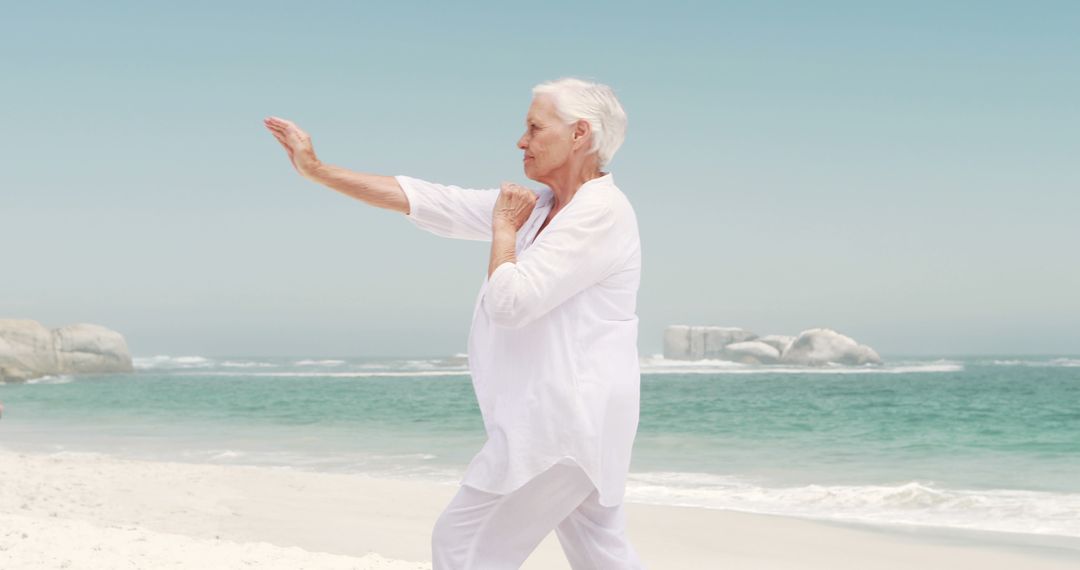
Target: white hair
{"x": 576, "y": 99}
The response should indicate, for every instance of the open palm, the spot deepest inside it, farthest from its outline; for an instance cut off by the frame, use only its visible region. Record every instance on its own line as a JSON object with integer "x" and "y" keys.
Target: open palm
{"x": 296, "y": 142}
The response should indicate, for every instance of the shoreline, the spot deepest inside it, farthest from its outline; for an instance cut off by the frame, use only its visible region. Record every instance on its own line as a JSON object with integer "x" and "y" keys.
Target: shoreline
{"x": 205, "y": 513}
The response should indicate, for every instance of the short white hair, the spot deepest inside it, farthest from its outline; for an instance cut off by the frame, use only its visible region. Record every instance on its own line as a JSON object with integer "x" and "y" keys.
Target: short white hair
{"x": 577, "y": 99}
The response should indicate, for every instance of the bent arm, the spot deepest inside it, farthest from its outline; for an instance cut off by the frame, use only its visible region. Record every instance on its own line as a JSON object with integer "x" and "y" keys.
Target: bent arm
{"x": 503, "y": 245}
{"x": 580, "y": 248}
{"x": 374, "y": 189}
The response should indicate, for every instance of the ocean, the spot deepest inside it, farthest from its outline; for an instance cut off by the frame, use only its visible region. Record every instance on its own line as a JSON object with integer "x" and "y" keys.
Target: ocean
{"x": 987, "y": 442}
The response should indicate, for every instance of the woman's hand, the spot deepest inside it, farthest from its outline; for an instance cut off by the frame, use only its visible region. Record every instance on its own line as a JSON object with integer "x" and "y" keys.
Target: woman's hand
{"x": 512, "y": 209}
{"x": 513, "y": 206}
{"x": 297, "y": 144}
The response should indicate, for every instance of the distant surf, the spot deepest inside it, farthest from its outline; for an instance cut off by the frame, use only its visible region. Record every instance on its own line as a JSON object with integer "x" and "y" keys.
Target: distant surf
{"x": 458, "y": 364}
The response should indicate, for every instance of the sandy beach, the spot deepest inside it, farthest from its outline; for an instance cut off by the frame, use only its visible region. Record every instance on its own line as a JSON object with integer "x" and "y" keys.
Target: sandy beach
{"x": 73, "y": 510}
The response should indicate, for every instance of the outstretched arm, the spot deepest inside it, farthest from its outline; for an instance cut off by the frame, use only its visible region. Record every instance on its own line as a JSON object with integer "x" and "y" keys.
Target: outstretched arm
{"x": 374, "y": 189}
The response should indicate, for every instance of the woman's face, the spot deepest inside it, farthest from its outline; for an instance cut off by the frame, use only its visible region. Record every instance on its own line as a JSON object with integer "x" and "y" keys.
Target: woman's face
{"x": 547, "y": 142}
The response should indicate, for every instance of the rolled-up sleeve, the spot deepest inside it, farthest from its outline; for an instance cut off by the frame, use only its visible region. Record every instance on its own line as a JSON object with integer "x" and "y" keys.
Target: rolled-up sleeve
{"x": 579, "y": 248}
{"x": 449, "y": 211}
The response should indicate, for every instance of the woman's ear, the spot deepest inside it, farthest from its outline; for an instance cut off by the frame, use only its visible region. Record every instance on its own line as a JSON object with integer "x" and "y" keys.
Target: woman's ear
{"x": 581, "y": 131}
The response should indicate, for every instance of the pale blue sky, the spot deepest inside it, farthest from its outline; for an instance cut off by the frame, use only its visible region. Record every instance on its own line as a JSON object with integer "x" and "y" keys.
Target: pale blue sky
{"x": 907, "y": 174}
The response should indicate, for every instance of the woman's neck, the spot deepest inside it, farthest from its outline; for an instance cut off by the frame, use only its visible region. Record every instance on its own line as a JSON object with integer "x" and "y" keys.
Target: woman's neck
{"x": 564, "y": 187}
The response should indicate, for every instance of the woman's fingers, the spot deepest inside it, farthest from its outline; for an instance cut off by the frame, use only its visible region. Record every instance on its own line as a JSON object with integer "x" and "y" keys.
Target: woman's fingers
{"x": 519, "y": 191}
{"x": 281, "y": 139}
{"x": 275, "y": 127}
{"x": 290, "y": 134}
{"x": 284, "y": 138}
{"x": 282, "y": 124}
{"x": 295, "y": 141}
{"x": 286, "y": 135}
{"x": 514, "y": 203}
{"x": 285, "y": 145}
{"x": 278, "y": 135}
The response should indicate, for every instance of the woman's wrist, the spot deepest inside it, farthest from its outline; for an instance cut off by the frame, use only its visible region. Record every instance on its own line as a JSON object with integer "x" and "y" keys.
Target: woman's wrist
{"x": 500, "y": 224}
{"x": 316, "y": 171}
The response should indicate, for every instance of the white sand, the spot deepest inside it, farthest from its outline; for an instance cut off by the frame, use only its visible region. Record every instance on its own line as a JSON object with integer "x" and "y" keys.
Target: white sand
{"x": 89, "y": 511}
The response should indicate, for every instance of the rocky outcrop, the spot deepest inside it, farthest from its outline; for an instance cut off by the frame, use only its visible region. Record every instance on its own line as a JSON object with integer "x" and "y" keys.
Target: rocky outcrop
{"x": 780, "y": 342}
{"x": 684, "y": 342}
{"x": 30, "y": 350}
{"x": 815, "y": 347}
{"x": 751, "y": 352}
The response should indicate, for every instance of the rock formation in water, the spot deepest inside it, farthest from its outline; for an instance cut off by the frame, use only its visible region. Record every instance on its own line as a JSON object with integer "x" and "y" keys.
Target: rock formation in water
{"x": 813, "y": 347}
{"x": 697, "y": 342}
{"x": 751, "y": 352}
{"x": 822, "y": 346}
{"x": 29, "y": 350}
{"x": 780, "y": 342}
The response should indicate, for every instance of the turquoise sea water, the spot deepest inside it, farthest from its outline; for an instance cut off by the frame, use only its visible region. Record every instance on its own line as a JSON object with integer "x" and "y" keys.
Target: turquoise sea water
{"x": 990, "y": 443}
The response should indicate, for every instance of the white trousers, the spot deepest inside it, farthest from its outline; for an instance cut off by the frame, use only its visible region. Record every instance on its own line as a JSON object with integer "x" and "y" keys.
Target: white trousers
{"x": 486, "y": 531}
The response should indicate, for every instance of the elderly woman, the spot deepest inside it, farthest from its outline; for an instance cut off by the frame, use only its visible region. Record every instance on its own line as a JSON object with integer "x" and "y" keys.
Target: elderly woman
{"x": 553, "y": 344}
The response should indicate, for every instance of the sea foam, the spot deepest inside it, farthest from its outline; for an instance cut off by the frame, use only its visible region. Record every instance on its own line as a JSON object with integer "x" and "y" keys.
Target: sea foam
{"x": 909, "y": 503}
{"x": 164, "y": 361}
{"x": 1052, "y": 363}
{"x": 310, "y": 362}
{"x": 657, "y": 364}
{"x": 60, "y": 379}
{"x": 247, "y": 364}
{"x": 353, "y": 374}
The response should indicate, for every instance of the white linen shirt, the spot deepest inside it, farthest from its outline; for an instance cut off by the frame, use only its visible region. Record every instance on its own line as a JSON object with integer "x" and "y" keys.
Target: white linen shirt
{"x": 553, "y": 343}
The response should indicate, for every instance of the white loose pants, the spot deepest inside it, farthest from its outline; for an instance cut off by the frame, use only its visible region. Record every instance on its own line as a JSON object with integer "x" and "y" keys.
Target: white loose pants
{"x": 487, "y": 531}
